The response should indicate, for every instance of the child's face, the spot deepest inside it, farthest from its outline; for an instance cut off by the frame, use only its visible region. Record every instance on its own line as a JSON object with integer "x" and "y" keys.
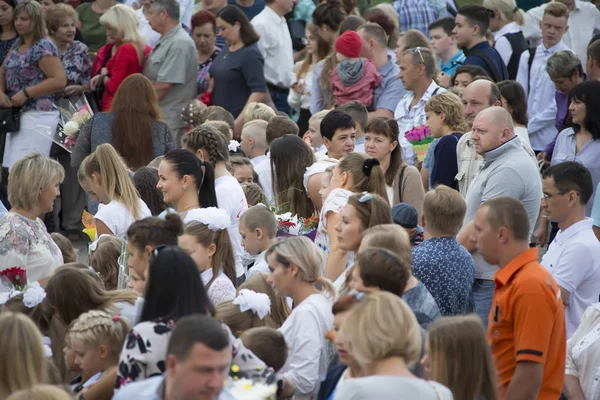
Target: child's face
{"x": 340, "y": 57}
{"x": 252, "y": 240}
{"x": 201, "y": 255}
{"x": 69, "y": 355}
{"x": 325, "y": 181}
{"x": 136, "y": 282}
{"x": 137, "y": 260}
{"x": 435, "y": 123}
{"x": 314, "y": 133}
{"x": 88, "y": 358}
{"x": 244, "y": 174}
{"x": 93, "y": 187}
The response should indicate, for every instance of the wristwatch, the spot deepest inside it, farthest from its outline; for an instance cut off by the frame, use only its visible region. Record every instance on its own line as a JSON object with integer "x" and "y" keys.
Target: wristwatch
{"x": 26, "y": 94}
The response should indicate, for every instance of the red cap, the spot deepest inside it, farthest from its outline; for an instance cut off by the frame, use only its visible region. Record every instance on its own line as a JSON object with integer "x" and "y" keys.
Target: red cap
{"x": 349, "y": 44}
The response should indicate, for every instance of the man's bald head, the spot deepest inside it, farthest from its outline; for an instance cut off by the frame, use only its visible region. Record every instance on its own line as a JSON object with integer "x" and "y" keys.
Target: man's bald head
{"x": 492, "y": 128}
{"x": 479, "y": 95}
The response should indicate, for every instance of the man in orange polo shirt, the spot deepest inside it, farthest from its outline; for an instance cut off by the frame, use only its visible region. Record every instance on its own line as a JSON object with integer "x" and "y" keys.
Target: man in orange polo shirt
{"x": 526, "y": 325}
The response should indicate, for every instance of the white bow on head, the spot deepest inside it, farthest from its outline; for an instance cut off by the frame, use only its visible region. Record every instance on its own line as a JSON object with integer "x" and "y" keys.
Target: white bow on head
{"x": 215, "y": 218}
{"x": 259, "y": 303}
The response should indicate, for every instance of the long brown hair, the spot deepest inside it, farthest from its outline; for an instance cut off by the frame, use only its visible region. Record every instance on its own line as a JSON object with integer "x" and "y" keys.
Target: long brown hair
{"x": 135, "y": 107}
{"x": 461, "y": 358}
{"x": 223, "y": 257}
{"x": 322, "y": 49}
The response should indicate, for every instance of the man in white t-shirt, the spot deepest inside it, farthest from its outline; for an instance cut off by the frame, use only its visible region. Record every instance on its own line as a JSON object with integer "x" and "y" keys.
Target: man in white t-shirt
{"x": 254, "y": 140}
{"x": 573, "y": 258}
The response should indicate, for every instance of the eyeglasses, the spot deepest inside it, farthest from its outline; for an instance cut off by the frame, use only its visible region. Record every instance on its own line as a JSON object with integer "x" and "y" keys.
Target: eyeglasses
{"x": 418, "y": 51}
{"x": 365, "y": 197}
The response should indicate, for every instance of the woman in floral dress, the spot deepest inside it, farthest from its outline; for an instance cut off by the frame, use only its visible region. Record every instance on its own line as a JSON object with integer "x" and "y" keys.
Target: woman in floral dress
{"x": 31, "y": 74}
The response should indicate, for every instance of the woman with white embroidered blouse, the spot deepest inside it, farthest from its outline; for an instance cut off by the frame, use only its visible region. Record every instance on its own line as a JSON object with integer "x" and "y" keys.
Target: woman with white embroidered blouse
{"x": 24, "y": 241}
{"x": 295, "y": 266}
{"x": 104, "y": 176}
{"x": 583, "y": 358}
{"x": 384, "y": 358}
{"x": 206, "y": 240}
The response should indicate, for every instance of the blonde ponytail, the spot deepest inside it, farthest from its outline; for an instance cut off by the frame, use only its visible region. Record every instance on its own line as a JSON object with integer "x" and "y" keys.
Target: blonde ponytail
{"x": 107, "y": 163}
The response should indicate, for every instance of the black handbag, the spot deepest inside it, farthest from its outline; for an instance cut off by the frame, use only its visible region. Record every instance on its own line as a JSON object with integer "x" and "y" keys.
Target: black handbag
{"x": 10, "y": 119}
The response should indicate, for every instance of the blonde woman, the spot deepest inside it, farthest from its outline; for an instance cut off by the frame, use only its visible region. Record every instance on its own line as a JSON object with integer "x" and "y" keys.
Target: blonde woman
{"x": 446, "y": 122}
{"x": 41, "y": 392}
{"x": 24, "y": 240}
{"x": 506, "y": 22}
{"x": 383, "y": 357}
{"x": 124, "y": 55}
{"x": 22, "y": 359}
{"x": 104, "y": 176}
{"x": 458, "y": 356}
{"x": 295, "y": 266}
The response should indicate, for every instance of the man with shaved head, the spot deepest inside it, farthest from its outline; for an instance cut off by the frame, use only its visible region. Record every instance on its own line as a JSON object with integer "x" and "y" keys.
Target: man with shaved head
{"x": 507, "y": 171}
{"x": 478, "y": 96}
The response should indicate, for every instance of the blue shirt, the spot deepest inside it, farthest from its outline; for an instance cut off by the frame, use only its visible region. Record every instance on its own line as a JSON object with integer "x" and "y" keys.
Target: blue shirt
{"x": 596, "y": 209}
{"x": 422, "y": 303}
{"x": 251, "y": 11}
{"x": 447, "y": 270}
{"x": 415, "y": 14}
{"x": 450, "y": 67}
{"x": 390, "y": 91}
{"x": 152, "y": 389}
{"x": 477, "y": 60}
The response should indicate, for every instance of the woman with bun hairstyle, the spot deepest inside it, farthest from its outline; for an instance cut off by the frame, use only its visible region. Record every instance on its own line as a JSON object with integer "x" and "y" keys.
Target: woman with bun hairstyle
{"x": 145, "y": 235}
{"x": 104, "y": 176}
{"x": 356, "y": 173}
{"x": 185, "y": 182}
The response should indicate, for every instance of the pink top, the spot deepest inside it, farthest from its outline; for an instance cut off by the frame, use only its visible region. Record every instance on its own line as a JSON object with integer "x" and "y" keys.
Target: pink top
{"x": 361, "y": 90}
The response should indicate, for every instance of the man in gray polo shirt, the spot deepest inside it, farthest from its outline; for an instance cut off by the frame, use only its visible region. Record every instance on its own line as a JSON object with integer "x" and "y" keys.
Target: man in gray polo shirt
{"x": 172, "y": 65}
{"x": 507, "y": 171}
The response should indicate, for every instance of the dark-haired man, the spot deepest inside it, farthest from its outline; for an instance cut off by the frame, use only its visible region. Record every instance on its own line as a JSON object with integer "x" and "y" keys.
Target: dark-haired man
{"x": 573, "y": 257}
{"x": 472, "y": 23}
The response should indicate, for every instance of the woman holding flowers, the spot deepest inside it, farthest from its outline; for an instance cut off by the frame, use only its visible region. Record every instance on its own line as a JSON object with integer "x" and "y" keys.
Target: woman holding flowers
{"x": 24, "y": 240}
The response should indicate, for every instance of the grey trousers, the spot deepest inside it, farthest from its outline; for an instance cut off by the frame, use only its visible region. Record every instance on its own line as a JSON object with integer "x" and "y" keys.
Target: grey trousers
{"x": 69, "y": 206}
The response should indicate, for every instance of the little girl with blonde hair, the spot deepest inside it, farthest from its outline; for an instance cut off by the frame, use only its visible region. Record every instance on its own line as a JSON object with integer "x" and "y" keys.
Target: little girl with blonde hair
{"x": 97, "y": 339}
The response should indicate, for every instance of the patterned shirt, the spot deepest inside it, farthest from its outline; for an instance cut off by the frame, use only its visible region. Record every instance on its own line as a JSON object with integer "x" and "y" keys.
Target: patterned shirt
{"x": 22, "y": 70}
{"x": 77, "y": 64}
{"x": 202, "y": 76}
{"x": 415, "y": 14}
{"x": 447, "y": 270}
{"x": 422, "y": 303}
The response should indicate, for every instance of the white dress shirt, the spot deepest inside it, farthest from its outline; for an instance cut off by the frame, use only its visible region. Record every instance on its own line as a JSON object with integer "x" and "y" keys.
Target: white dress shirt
{"x": 502, "y": 45}
{"x": 256, "y": 160}
{"x": 573, "y": 259}
{"x": 541, "y": 104}
{"x": 275, "y": 45}
{"x": 263, "y": 171}
{"x": 583, "y": 353}
{"x": 584, "y": 22}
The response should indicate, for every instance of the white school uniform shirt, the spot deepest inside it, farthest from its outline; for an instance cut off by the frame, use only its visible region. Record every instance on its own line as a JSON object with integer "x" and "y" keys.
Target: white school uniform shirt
{"x": 260, "y": 266}
{"x": 573, "y": 259}
{"x": 118, "y": 218}
{"x": 502, "y": 45}
{"x": 221, "y": 289}
{"x": 584, "y": 22}
{"x": 256, "y": 160}
{"x": 541, "y": 104}
{"x": 275, "y": 45}
{"x": 304, "y": 332}
{"x": 231, "y": 198}
{"x": 263, "y": 170}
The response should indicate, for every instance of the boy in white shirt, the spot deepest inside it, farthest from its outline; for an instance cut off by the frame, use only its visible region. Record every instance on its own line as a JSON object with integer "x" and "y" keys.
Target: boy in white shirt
{"x": 258, "y": 228}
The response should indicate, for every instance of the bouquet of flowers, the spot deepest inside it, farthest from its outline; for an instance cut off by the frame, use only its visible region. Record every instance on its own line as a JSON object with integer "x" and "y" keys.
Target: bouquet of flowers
{"x": 292, "y": 225}
{"x": 420, "y": 138}
{"x": 246, "y": 389}
{"x": 14, "y": 277}
{"x": 74, "y": 112}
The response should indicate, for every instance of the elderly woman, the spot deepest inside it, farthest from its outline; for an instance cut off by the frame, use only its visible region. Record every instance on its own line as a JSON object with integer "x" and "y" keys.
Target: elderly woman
{"x": 61, "y": 20}
{"x": 384, "y": 358}
{"x": 204, "y": 33}
{"x": 24, "y": 240}
{"x": 124, "y": 55}
{"x": 31, "y": 74}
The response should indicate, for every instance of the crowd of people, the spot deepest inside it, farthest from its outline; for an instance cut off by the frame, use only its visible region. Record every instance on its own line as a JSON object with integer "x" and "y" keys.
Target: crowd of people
{"x": 300, "y": 200}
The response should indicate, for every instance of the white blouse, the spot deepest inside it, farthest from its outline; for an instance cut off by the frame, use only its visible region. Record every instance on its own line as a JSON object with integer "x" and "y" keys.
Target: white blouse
{"x": 583, "y": 353}
{"x": 27, "y": 244}
{"x": 304, "y": 332}
{"x": 221, "y": 289}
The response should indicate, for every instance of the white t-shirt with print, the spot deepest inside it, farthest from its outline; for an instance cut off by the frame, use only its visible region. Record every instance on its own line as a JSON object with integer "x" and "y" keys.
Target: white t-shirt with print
{"x": 231, "y": 198}
{"x": 118, "y": 218}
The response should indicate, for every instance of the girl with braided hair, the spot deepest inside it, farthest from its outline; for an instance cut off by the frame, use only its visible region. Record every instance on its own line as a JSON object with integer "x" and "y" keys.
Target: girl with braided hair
{"x": 210, "y": 146}
{"x": 97, "y": 339}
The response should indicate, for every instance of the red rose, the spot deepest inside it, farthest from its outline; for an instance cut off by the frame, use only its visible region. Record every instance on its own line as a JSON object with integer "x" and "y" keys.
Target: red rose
{"x": 16, "y": 276}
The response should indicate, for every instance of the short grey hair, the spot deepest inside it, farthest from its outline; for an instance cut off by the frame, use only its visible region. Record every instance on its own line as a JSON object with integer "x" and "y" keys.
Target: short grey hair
{"x": 563, "y": 64}
{"x": 422, "y": 55}
{"x": 30, "y": 174}
{"x": 170, "y": 6}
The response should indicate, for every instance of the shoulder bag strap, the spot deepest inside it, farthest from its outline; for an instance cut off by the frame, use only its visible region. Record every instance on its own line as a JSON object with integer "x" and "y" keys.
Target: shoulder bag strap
{"x": 529, "y": 64}
{"x": 400, "y": 185}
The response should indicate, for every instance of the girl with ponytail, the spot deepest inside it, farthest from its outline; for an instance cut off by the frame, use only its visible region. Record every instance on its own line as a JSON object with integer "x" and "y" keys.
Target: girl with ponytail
{"x": 295, "y": 265}
{"x": 104, "y": 176}
{"x": 185, "y": 182}
{"x": 355, "y": 173}
{"x": 205, "y": 238}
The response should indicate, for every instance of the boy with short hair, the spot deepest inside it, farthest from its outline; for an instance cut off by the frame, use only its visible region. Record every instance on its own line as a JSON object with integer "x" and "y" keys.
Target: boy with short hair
{"x": 443, "y": 42}
{"x": 268, "y": 345}
{"x": 258, "y": 228}
{"x": 407, "y": 217}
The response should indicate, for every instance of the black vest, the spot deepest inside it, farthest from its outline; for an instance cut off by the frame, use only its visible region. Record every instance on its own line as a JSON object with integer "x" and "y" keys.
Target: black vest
{"x": 519, "y": 45}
